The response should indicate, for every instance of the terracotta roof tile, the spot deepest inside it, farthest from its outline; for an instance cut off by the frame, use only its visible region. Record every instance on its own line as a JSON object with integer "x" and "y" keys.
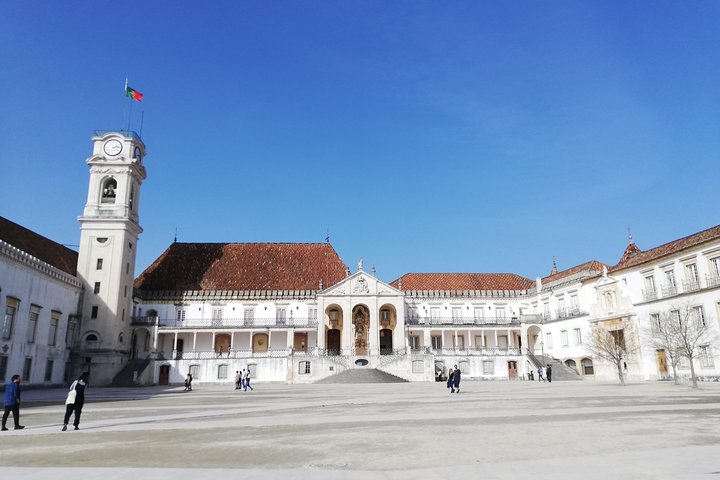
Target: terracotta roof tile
{"x": 243, "y": 266}
{"x": 640, "y": 257}
{"x": 593, "y": 267}
{"x": 463, "y": 281}
{"x": 38, "y": 246}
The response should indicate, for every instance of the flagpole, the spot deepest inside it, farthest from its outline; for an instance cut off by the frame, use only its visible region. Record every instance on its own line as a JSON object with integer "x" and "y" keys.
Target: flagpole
{"x": 142, "y": 119}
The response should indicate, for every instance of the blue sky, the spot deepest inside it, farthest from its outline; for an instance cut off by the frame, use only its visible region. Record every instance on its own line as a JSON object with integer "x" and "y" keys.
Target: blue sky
{"x": 424, "y": 136}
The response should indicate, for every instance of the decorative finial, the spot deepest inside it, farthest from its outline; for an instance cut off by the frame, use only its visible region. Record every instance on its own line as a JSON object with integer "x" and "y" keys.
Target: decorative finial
{"x": 554, "y": 267}
{"x": 347, "y": 271}
{"x": 373, "y": 271}
{"x": 400, "y": 284}
{"x": 175, "y": 239}
{"x": 360, "y": 265}
{"x": 327, "y": 236}
{"x": 320, "y": 284}
{"x": 630, "y": 239}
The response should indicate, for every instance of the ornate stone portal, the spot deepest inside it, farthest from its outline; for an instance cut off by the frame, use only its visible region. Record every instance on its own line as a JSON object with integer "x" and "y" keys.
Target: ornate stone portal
{"x": 361, "y": 323}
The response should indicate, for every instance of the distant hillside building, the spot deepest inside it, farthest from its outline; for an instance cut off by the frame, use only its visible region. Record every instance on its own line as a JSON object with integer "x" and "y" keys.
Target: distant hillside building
{"x": 296, "y": 313}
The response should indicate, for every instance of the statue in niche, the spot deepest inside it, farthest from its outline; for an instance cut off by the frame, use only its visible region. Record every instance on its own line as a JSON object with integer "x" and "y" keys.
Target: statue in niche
{"x": 360, "y": 321}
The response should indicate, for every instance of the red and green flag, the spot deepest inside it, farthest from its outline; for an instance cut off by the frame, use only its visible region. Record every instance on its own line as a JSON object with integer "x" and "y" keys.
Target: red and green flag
{"x": 134, "y": 94}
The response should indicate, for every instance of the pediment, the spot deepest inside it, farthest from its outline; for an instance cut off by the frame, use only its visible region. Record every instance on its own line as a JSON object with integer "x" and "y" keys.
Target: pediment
{"x": 361, "y": 284}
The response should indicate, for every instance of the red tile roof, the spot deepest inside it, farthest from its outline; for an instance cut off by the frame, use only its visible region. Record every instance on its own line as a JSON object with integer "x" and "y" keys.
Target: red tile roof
{"x": 593, "y": 267}
{"x": 640, "y": 257}
{"x": 463, "y": 281}
{"x": 243, "y": 266}
{"x": 38, "y": 246}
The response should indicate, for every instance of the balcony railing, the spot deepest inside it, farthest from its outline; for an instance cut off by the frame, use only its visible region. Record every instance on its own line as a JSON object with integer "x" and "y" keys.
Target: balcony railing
{"x": 669, "y": 290}
{"x": 712, "y": 281}
{"x": 691, "y": 285}
{"x": 568, "y": 312}
{"x": 227, "y": 322}
{"x": 466, "y": 321}
{"x": 648, "y": 295}
{"x": 500, "y": 351}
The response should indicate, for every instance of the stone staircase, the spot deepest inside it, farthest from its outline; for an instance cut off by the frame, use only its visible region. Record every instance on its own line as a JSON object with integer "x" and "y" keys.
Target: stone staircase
{"x": 364, "y": 375}
{"x": 126, "y": 377}
{"x": 560, "y": 371}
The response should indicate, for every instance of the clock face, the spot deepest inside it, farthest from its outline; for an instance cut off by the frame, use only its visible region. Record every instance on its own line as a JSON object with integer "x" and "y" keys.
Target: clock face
{"x": 112, "y": 147}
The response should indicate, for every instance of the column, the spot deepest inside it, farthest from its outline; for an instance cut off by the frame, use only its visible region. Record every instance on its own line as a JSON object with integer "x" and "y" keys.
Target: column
{"x": 194, "y": 340}
{"x": 427, "y": 338}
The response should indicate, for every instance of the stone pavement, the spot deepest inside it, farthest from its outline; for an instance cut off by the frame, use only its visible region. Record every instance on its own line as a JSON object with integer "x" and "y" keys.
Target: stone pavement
{"x": 491, "y": 430}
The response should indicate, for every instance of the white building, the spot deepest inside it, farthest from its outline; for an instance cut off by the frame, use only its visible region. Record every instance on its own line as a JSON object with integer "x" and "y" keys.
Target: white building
{"x": 295, "y": 313}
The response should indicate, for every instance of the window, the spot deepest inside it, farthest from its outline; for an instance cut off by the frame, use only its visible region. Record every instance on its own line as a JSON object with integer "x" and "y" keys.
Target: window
{"x": 32, "y": 325}
{"x": 96, "y": 289}
{"x": 548, "y": 340}
{"x": 546, "y": 309}
{"x": 414, "y": 342}
{"x": 488, "y": 367}
{"x": 461, "y": 342}
{"x": 692, "y": 281}
{"x": 180, "y": 314}
{"x": 699, "y": 316}
{"x": 27, "y": 369}
{"x": 3, "y": 367}
{"x": 418, "y": 366}
{"x": 222, "y": 372}
{"x": 125, "y": 292}
{"x": 574, "y": 305}
{"x": 435, "y": 314}
{"x": 650, "y": 284}
{"x": 217, "y": 315}
{"x": 706, "y": 358}
{"x": 456, "y": 314}
{"x": 194, "y": 370}
{"x": 436, "y": 342}
{"x": 249, "y": 315}
{"x": 280, "y": 315}
{"x": 714, "y": 278}
{"x": 98, "y": 265}
{"x": 500, "y": 314}
{"x": 54, "y": 321}
{"x": 94, "y": 312}
{"x": 587, "y": 366}
{"x": 561, "y": 308}
{"x": 312, "y": 314}
{"x": 48, "y": 370}
{"x": 9, "y": 320}
{"x": 655, "y": 324}
{"x": 564, "y": 338}
{"x": 675, "y": 316}
{"x": 578, "y": 336}
{"x": 304, "y": 368}
{"x": 670, "y": 285}
{"x": 478, "y": 314}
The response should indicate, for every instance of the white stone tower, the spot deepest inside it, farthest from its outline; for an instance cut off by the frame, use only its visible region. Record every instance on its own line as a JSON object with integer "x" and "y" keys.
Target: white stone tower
{"x": 109, "y": 230}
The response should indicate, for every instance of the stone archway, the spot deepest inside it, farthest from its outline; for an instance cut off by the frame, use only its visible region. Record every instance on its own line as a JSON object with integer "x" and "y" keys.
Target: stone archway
{"x": 361, "y": 325}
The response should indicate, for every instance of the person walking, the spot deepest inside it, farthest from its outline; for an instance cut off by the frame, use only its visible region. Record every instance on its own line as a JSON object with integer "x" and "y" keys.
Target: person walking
{"x": 247, "y": 380}
{"x": 548, "y": 373}
{"x": 75, "y": 401}
{"x": 238, "y": 379}
{"x": 12, "y": 402}
{"x": 188, "y": 383}
{"x": 456, "y": 379}
{"x": 540, "y": 374}
{"x": 450, "y": 380}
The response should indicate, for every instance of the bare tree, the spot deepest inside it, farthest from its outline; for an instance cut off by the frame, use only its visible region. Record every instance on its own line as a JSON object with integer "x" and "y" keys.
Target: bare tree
{"x": 692, "y": 332}
{"x": 614, "y": 341}
{"x": 662, "y": 334}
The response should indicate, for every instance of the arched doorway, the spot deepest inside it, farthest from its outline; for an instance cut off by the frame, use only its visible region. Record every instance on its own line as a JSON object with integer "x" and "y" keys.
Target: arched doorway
{"x": 571, "y": 363}
{"x": 222, "y": 343}
{"x": 260, "y": 342}
{"x": 333, "y": 341}
{"x": 386, "y": 344}
{"x": 361, "y": 323}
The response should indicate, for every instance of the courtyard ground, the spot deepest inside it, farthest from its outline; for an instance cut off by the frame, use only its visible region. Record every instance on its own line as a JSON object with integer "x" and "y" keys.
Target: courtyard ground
{"x": 492, "y": 430}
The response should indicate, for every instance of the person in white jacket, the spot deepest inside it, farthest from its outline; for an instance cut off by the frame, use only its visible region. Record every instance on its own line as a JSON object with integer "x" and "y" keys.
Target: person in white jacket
{"x": 75, "y": 401}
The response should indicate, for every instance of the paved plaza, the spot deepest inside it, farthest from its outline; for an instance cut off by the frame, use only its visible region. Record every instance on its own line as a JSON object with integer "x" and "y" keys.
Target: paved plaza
{"x": 491, "y": 430}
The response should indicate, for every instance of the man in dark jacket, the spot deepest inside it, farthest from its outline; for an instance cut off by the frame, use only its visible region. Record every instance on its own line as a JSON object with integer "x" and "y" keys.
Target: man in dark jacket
{"x": 548, "y": 373}
{"x": 12, "y": 402}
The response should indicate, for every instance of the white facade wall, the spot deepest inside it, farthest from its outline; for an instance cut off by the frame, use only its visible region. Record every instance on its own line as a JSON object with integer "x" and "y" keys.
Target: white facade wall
{"x": 55, "y": 294}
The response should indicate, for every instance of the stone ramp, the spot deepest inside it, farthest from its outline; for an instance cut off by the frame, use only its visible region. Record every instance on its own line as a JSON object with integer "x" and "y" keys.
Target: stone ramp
{"x": 560, "y": 371}
{"x": 364, "y": 375}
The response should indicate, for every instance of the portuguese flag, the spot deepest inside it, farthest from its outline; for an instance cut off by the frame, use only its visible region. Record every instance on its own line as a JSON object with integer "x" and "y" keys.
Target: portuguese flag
{"x": 134, "y": 94}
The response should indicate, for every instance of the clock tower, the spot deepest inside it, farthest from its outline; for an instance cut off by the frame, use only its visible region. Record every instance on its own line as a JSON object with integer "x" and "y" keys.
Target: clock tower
{"x": 109, "y": 231}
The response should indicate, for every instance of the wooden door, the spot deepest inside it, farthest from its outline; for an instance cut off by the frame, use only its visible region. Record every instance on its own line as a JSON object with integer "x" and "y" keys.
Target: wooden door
{"x": 300, "y": 342}
{"x": 386, "y": 344}
{"x": 662, "y": 363}
{"x": 333, "y": 341}
{"x": 164, "y": 375}
{"x": 512, "y": 370}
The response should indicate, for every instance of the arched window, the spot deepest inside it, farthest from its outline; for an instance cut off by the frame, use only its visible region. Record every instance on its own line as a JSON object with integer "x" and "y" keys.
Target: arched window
{"x": 587, "y": 366}
{"x": 108, "y": 191}
{"x": 131, "y": 200}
